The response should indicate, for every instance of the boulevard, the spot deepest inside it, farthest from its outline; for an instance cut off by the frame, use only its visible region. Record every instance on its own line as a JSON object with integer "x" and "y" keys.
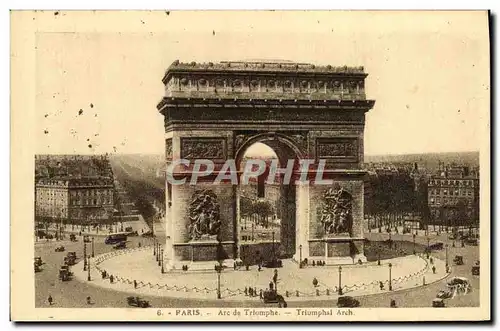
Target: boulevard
{"x": 74, "y": 293}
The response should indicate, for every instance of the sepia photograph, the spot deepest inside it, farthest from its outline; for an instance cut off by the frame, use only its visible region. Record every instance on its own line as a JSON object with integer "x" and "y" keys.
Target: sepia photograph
{"x": 250, "y": 166}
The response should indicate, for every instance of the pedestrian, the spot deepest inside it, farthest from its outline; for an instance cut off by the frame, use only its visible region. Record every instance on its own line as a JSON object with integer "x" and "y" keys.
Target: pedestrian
{"x": 433, "y": 269}
{"x": 139, "y": 244}
{"x": 135, "y": 283}
{"x": 111, "y": 278}
{"x": 260, "y": 268}
{"x": 250, "y": 291}
{"x": 431, "y": 260}
{"x": 89, "y": 301}
{"x": 393, "y": 303}
{"x": 261, "y": 295}
{"x": 381, "y": 286}
{"x": 50, "y": 300}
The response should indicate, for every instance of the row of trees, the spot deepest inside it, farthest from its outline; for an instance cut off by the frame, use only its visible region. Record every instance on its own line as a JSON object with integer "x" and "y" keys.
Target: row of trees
{"x": 389, "y": 198}
{"x": 257, "y": 211}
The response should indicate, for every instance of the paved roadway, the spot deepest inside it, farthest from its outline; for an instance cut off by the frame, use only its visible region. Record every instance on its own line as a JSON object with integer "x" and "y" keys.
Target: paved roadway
{"x": 73, "y": 293}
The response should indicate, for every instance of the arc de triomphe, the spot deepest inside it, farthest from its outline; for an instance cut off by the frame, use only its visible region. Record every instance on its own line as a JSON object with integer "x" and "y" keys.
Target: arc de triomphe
{"x": 216, "y": 111}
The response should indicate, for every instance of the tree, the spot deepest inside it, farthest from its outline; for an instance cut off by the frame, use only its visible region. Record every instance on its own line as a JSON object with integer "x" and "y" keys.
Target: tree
{"x": 263, "y": 209}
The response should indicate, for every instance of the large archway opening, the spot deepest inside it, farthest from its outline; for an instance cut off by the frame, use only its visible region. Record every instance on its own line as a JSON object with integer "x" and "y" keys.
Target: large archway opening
{"x": 266, "y": 216}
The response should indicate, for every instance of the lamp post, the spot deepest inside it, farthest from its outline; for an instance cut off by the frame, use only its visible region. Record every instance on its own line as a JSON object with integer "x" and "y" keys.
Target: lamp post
{"x": 414, "y": 251}
{"x": 84, "y": 255}
{"x": 218, "y": 269}
{"x": 154, "y": 246}
{"x": 159, "y": 257}
{"x": 275, "y": 280}
{"x": 93, "y": 252}
{"x": 390, "y": 276}
{"x": 446, "y": 247}
{"x": 273, "y": 248}
{"x": 162, "y": 265}
{"x": 88, "y": 269}
{"x": 300, "y": 256}
{"x": 340, "y": 280}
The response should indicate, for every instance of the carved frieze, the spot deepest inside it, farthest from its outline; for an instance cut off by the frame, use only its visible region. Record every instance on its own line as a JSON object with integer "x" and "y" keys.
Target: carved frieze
{"x": 203, "y": 148}
{"x": 326, "y": 82}
{"x": 336, "y": 212}
{"x": 168, "y": 148}
{"x": 343, "y": 149}
{"x": 300, "y": 140}
{"x": 204, "y": 216}
{"x": 240, "y": 139}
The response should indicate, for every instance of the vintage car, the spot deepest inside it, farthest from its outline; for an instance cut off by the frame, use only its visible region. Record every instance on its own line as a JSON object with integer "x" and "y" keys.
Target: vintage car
{"x": 148, "y": 234}
{"x": 347, "y": 302}
{"x": 271, "y": 296}
{"x": 137, "y": 302}
{"x": 65, "y": 274}
{"x": 38, "y": 261}
{"x": 458, "y": 260}
{"x": 274, "y": 263}
{"x": 472, "y": 241}
{"x": 72, "y": 237}
{"x": 444, "y": 294}
{"x": 475, "y": 270}
{"x": 60, "y": 249}
{"x": 436, "y": 246}
{"x": 121, "y": 245}
{"x": 86, "y": 239}
{"x": 438, "y": 303}
{"x": 70, "y": 258}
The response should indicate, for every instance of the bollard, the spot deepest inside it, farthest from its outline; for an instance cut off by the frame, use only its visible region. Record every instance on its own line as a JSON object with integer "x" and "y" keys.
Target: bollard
{"x": 327, "y": 291}
{"x": 286, "y": 294}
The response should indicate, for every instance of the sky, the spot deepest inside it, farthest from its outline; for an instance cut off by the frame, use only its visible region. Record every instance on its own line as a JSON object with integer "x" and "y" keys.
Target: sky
{"x": 98, "y": 75}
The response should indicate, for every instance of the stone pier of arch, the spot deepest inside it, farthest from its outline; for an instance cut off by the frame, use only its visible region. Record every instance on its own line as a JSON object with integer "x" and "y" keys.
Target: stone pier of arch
{"x": 302, "y": 111}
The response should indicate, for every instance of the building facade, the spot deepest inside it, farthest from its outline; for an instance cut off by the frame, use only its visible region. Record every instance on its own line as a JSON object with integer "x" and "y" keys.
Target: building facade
{"x": 453, "y": 196}
{"x": 75, "y": 199}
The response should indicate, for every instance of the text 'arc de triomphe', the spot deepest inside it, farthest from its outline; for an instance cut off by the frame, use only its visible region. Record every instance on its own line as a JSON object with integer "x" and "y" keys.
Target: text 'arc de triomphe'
{"x": 216, "y": 111}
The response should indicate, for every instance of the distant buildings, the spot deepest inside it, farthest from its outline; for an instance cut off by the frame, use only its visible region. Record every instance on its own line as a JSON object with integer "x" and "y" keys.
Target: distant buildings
{"x": 74, "y": 188}
{"x": 75, "y": 199}
{"x": 453, "y": 194}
